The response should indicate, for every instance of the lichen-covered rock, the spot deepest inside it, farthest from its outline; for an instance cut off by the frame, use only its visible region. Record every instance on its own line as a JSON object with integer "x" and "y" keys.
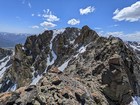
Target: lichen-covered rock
{"x": 68, "y": 91}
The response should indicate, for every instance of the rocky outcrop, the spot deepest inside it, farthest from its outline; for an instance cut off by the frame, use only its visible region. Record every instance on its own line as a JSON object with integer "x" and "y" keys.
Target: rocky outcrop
{"x": 5, "y": 62}
{"x": 55, "y": 88}
{"x": 72, "y": 66}
{"x": 110, "y": 64}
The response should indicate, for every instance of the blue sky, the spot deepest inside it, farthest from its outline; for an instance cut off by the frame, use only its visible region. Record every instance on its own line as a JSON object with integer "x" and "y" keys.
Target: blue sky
{"x": 116, "y": 17}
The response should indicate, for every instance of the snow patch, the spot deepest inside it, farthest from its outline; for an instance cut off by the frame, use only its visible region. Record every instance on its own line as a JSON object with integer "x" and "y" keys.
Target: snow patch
{"x": 13, "y": 88}
{"x": 7, "y": 81}
{"x": 53, "y": 60}
{"x": 49, "y": 61}
{"x": 71, "y": 42}
{"x": 23, "y": 48}
{"x": 56, "y": 32}
{"x": 79, "y": 33}
{"x": 82, "y": 49}
{"x": 64, "y": 65}
{"x": 75, "y": 56}
{"x": 35, "y": 80}
{"x": 136, "y": 101}
{"x": 134, "y": 47}
{"x": 3, "y": 59}
{"x": 3, "y": 68}
{"x": 76, "y": 46}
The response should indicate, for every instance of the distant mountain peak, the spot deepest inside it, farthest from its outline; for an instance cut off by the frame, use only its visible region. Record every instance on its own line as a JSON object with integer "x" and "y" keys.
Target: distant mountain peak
{"x": 11, "y": 39}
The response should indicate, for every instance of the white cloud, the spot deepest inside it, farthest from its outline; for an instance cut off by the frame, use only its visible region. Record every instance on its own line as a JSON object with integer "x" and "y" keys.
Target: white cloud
{"x": 45, "y": 28}
{"x": 73, "y": 21}
{"x": 131, "y": 13}
{"x": 49, "y": 16}
{"x": 32, "y": 14}
{"x": 47, "y": 24}
{"x": 116, "y": 11}
{"x": 35, "y": 26}
{"x": 86, "y": 10}
{"x": 29, "y": 4}
{"x": 48, "y": 19}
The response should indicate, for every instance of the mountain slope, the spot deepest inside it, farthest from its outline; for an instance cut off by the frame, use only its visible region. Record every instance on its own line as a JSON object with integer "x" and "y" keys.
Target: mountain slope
{"x": 135, "y": 46}
{"x": 5, "y": 61}
{"x": 72, "y": 66}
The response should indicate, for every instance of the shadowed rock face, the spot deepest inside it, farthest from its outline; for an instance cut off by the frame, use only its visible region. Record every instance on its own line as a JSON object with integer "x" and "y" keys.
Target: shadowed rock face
{"x": 5, "y": 61}
{"x": 4, "y": 53}
{"x": 97, "y": 70}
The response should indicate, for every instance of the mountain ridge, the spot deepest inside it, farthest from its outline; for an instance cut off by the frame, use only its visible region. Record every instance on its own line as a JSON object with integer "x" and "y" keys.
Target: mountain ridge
{"x": 76, "y": 66}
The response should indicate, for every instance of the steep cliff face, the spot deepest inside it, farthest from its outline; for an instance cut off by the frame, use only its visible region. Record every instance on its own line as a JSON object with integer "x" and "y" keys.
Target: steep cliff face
{"x": 72, "y": 66}
{"x": 5, "y": 61}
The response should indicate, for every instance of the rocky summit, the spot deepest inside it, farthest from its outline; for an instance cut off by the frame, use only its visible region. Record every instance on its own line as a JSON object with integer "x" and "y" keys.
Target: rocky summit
{"x": 71, "y": 66}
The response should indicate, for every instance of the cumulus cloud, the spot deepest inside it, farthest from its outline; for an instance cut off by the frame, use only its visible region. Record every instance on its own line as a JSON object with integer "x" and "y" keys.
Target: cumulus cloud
{"x": 131, "y": 13}
{"x": 35, "y": 26}
{"x": 48, "y": 24}
{"x": 48, "y": 19}
{"x": 29, "y": 4}
{"x": 49, "y": 16}
{"x": 73, "y": 21}
{"x": 84, "y": 11}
